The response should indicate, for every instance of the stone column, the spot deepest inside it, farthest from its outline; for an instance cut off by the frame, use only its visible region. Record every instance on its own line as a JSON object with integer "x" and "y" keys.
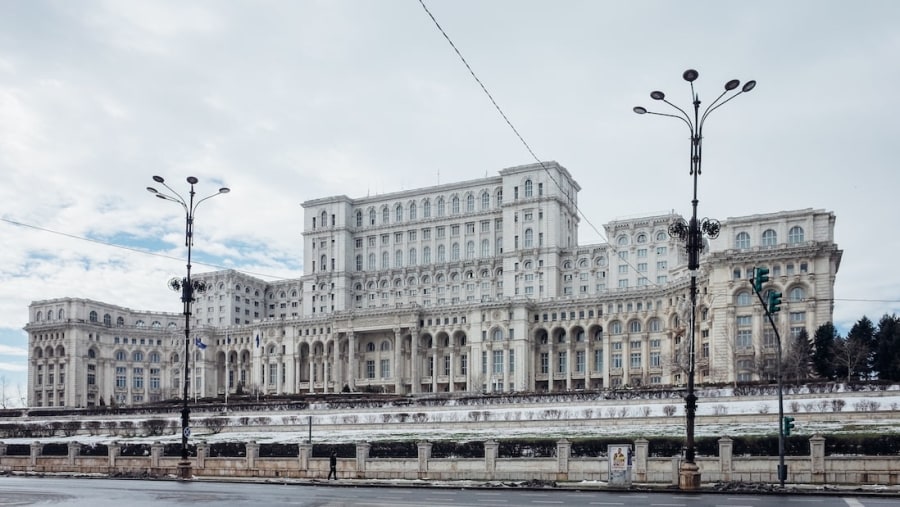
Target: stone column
{"x": 202, "y": 451}
{"x": 570, "y": 361}
{"x": 252, "y": 454}
{"x": 2, "y": 448}
{"x": 505, "y": 366}
{"x": 362, "y": 455}
{"x": 551, "y": 364}
{"x": 113, "y": 453}
{"x": 74, "y": 452}
{"x": 312, "y": 372}
{"x": 336, "y": 374}
{"x": 352, "y": 359}
{"x": 817, "y": 459}
{"x": 434, "y": 365}
{"x": 424, "y": 456}
{"x": 563, "y": 451}
{"x": 726, "y": 446}
{"x": 490, "y": 457}
{"x": 641, "y": 453}
{"x": 36, "y": 448}
{"x": 415, "y": 377}
{"x": 396, "y": 369}
{"x": 676, "y": 470}
{"x": 156, "y": 452}
{"x": 304, "y": 455}
{"x": 452, "y": 366}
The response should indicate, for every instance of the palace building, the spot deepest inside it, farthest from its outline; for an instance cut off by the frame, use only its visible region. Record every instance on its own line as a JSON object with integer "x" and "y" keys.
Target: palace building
{"x": 472, "y": 286}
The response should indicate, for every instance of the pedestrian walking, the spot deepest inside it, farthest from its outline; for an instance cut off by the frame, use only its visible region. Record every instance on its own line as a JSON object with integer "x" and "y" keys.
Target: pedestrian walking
{"x": 332, "y": 462}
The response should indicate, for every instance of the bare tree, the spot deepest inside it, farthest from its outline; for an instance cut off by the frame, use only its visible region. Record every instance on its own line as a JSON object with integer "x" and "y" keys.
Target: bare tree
{"x": 850, "y": 357}
{"x": 4, "y": 396}
{"x": 22, "y": 396}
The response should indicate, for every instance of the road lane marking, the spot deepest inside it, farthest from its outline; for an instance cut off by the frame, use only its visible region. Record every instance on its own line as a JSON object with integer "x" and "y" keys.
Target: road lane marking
{"x": 607, "y": 503}
{"x": 852, "y": 502}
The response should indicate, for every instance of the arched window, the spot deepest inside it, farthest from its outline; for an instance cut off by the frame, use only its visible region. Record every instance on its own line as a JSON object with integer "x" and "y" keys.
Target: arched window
{"x": 155, "y": 357}
{"x": 370, "y": 347}
{"x": 92, "y": 354}
{"x": 359, "y": 263}
{"x": 385, "y": 260}
{"x": 441, "y": 254}
{"x": 485, "y": 248}
{"x": 470, "y": 203}
{"x": 93, "y": 316}
{"x": 661, "y": 236}
{"x": 398, "y": 259}
{"x": 615, "y": 327}
{"x": 324, "y": 219}
{"x": 371, "y": 217}
{"x": 385, "y": 346}
{"x": 120, "y": 322}
{"x": 426, "y": 255}
{"x": 634, "y": 326}
{"x": 372, "y": 265}
{"x": 426, "y": 208}
{"x": 121, "y": 355}
{"x": 412, "y": 211}
{"x": 485, "y": 200}
{"x": 742, "y": 241}
{"x": 107, "y": 320}
{"x": 359, "y": 218}
{"x": 137, "y": 356}
{"x": 470, "y": 250}
{"x": 324, "y": 265}
{"x": 139, "y": 323}
{"x": 412, "y": 257}
{"x": 385, "y": 215}
{"x": 454, "y": 252}
{"x": 529, "y": 188}
{"x": 529, "y": 238}
{"x": 454, "y": 208}
{"x": 61, "y": 315}
{"x": 497, "y": 335}
{"x": 499, "y": 197}
{"x": 743, "y": 299}
{"x": 797, "y": 294}
{"x": 769, "y": 238}
{"x": 642, "y": 238}
{"x": 622, "y": 240}
{"x": 440, "y": 206}
{"x": 795, "y": 235}
{"x": 655, "y": 325}
{"x": 398, "y": 213}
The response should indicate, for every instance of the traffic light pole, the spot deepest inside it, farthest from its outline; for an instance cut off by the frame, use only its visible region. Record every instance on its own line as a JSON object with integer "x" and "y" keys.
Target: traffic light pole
{"x": 759, "y": 278}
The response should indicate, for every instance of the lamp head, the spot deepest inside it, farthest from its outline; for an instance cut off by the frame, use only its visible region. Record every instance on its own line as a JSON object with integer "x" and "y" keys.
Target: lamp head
{"x": 657, "y": 95}
{"x": 640, "y": 110}
{"x": 731, "y": 85}
{"x": 192, "y": 180}
{"x": 152, "y": 190}
{"x": 158, "y": 179}
{"x": 224, "y": 190}
{"x": 749, "y": 85}
{"x": 690, "y": 75}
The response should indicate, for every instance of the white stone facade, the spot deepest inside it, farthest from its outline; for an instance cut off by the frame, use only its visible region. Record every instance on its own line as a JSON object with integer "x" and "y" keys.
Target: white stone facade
{"x": 469, "y": 286}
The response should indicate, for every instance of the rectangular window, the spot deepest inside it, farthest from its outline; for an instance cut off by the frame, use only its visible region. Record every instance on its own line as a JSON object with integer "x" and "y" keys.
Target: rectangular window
{"x": 463, "y": 365}
{"x": 617, "y": 361}
{"x": 385, "y": 368}
{"x": 426, "y": 233}
{"x": 641, "y": 253}
{"x": 485, "y": 226}
{"x": 545, "y": 363}
{"x": 454, "y": 230}
{"x": 579, "y": 361}
{"x": 598, "y": 360}
{"x": 370, "y": 368}
{"x": 137, "y": 378}
{"x": 744, "y": 339}
{"x": 655, "y": 360}
{"x": 440, "y": 232}
{"x": 561, "y": 362}
{"x": 470, "y": 227}
{"x": 411, "y": 235}
{"x": 635, "y": 359}
{"x": 121, "y": 378}
{"x": 512, "y": 359}
{"x": 498, "y": 362}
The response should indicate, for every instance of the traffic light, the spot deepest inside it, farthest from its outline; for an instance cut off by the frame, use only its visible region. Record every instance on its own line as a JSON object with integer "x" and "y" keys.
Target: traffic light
{"x": 788, "y": 425}
{"x": 760, "y": 277}
{"x": 774, "y": 301}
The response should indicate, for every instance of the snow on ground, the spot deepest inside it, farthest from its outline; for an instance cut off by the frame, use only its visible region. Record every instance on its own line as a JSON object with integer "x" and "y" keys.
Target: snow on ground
{"x": 718, "y": 415}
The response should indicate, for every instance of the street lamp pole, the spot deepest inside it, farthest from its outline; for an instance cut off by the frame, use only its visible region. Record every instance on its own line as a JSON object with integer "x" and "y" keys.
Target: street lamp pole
{"x": 187, "y": 287}
{"x": 692, "y": 233}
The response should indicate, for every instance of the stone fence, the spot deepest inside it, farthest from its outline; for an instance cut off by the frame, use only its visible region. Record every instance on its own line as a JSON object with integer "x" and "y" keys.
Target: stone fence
{"x": 817, "y": 468}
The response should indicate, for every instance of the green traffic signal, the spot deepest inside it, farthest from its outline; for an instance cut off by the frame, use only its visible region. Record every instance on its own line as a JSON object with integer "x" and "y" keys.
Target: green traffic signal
{"x": 774, "y": 301}
{"x": 788, "y": 425}
{"x": 760, "y": 277}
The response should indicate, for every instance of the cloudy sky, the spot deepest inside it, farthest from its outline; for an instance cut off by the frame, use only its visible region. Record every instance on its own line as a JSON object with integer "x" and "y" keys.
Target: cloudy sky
{"x": 284, "y": 101}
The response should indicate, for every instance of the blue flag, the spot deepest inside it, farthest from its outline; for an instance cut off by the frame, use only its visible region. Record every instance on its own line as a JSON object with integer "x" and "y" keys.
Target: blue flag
{"x": 199, "y": 343}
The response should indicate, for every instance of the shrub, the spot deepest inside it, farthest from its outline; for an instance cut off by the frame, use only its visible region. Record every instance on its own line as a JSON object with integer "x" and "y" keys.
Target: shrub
{"x": 93, "y": 427}
{"x": 70, "y": 428}
{"x": 215, "y": 425}
{"x": 407, "y": 449}
{"x": 669, "y": 410}
{"x": 154, "y": 427}
{"x": 279, "y": 450}
{"x": 837, "y": 405}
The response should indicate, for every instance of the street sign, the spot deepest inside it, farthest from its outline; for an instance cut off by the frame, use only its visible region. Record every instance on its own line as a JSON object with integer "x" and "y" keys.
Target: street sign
{"x": 186, "y": 432}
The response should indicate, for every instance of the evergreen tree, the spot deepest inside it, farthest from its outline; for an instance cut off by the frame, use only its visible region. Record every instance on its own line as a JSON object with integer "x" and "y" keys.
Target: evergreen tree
{"x": 861, "y": 339}
{"x": 886, "y": 357}
{"x": 798, "y": 359}
{"x": 823, "y": 348}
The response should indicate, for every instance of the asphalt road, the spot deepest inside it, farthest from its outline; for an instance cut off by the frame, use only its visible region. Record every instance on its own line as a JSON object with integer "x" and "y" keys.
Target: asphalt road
{"x": 16, "y": 491}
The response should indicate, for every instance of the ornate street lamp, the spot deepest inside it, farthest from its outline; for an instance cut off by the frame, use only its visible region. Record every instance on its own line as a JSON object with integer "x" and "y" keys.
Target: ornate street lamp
{"x": 692, "y": 233}
{"x": 187, "y": 287}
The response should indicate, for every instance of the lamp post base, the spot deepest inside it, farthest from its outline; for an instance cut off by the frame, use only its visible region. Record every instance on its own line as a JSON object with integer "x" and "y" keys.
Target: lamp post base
{"x": 689, "y": 477}
{"x": 184, "y": 471}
